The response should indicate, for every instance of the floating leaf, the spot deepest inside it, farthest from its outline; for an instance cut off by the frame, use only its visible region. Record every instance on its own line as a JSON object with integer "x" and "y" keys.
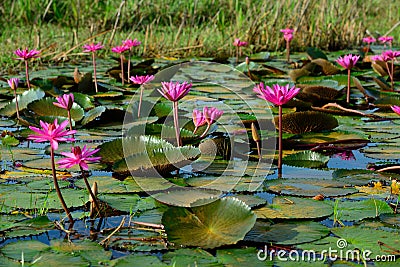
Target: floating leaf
{"x": 83, "y": 100}
{"x": 289, "y": 233}
{"x": 92, "y": 114}
{"x": 23, "y": 101}
{"x": 138, "y": 260}
{"x": 241, "y": 257}
{"x": 29, "y": 248}
{"x": 222, "y": 222}
{"x": 359, "y": 210}
{"x": 45, "y": 107}
{"x": 9, "y": 140}
{"x": 306, "y": 159}
{"x": 294, "y": 208}
{"x": 307, "y": 121}
{"x": 186, "y": 257}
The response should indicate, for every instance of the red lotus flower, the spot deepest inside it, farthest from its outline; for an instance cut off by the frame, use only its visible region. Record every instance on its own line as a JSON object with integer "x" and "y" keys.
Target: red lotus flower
{"x": 396, "y": 109}
{"x": 65, "y": 101}
{"x": 13, "y": 83}
{"x": 26, "y": 54}
{"x": 369, "y": 40}
{"x": 212, "y": 114}
{"x": 92, "y": 47}
{"x": 348, "y": 61}
{"x": 278, "y": 95}
{"x": 52, "y": 132}
{"x": 78, "y": 156}
{"x": 141, "y": 79}
{"x": 174, "y": 91}
{"x": 131, "y": 43}
{"x": 120, "y": 49}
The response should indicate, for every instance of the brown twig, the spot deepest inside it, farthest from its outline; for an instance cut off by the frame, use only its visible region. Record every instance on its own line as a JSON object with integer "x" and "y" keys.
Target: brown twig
{"x": 102, "y": 242}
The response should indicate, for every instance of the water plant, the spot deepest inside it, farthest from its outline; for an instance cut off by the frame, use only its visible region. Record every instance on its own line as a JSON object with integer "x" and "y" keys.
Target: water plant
{"x": 92, "y": 48}
{"x": 288, "y": 36}
{"x": 13, "y": 83}
{"x": 388, "y": 56}
{"x": 369, "y": 40}
{"x": 239, "y": 44}
{"x": 142, "y": 80}
{"x": 120, "y": 49}
{"x": 66, "y": 101}
{"x": 277, "y": 95}
{"x": 54, "y": 133}
{"x": 386, "y": 40}
{"x": 25, "y": 55}
{"x": 174, "y": 91}
{"x": 207, "y": 116}
{"x": 130, "y": 43}
{"x": 348, "y": 62}
{"x": 81, "y": 157}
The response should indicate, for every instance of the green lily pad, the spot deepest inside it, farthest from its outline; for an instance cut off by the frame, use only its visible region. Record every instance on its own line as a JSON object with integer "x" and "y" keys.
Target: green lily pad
{"x": 222, "y": 222}
{"x": 83, "y": 100}
{"x": 129, "y": 202}
{"x": 23, "y": 101}
{"x": 309, "y": 187}
{"x": 29, "y": 248}
{"x": 45, "y": 107}
{"x": 294, "y": 208}
{"x": 290, "y": 233}
{"x": 306, "y": 159}
{"x": 138, "y": 260}
{"x": 359, "y": 210}
{"x": 190, "y": 257}
{"x": 240, "y": 257}
{"x": 92, "y": 114}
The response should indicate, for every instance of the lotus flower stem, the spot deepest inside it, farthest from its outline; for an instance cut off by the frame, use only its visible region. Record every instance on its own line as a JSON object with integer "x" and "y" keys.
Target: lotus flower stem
{"x": 140, "y": 100}
{"x": 280, "y": 141}
{"x": 16, "y": 103}
{"x": 176, "y": 124}
{"x": 288, "y": 51}
{"x": 348, "y": 86}
{"x": 205, "y": 132}
{"x": 53, "y": 169}
{"x": 122, "y": 69}
{"x": 94, "y": 72}
{"x": 93, "y": 196}
{"x": 129, "y": 63}
{"x": 27, "y": 74}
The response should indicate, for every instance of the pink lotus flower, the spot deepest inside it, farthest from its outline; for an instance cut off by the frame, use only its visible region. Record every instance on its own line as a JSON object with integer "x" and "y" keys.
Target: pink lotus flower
{"x": 13, "y": 83}
{"x": 239, "y": 43}
{"x": 174, "y": 91}
{"x": 52, "y": 132}
{"x": 92, "y": 47}
{"x": 396, "y": 109}
{"x": 390, "y": 55}
{"x": 278, "y": 95}
{"x": 287, "y": 34}
{"x": 198, "y": 119}
{"x": 65, "y": 101}
{"x": 386, "y": 39}
{"x": 141, "y": 79}
{"x": 131, "y": 43}
{"x": 212, "y": 114}
{"x": 348, "y": 61}
{"x": 369, "y": 40}
{"x": 377, "y": 58}
{"x": 120, "y": 49}
{"x": 78, "y": 156}
{"x": 26, "y": 54}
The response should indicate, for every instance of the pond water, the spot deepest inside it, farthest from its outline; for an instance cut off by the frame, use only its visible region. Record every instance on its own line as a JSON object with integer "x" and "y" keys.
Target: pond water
{"x": 156, "y": 215}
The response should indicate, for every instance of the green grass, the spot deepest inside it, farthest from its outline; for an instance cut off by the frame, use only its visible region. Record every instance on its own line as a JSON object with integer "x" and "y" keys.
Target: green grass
{"x": 189, "y": 28}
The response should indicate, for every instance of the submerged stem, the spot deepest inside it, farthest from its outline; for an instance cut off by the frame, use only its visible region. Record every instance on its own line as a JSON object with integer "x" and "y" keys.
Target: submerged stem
{"x": 53, "y": 169}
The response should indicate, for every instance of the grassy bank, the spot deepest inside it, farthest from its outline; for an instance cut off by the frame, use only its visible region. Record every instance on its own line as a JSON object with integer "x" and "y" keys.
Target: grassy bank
{"x": 187, "y": 28}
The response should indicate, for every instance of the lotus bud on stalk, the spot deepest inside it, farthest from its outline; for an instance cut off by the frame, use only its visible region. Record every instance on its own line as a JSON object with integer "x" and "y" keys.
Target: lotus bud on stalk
{"x": 256, "y": 138}
{"x": 92, "y": 48}
{"x": 13, "y": 83}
